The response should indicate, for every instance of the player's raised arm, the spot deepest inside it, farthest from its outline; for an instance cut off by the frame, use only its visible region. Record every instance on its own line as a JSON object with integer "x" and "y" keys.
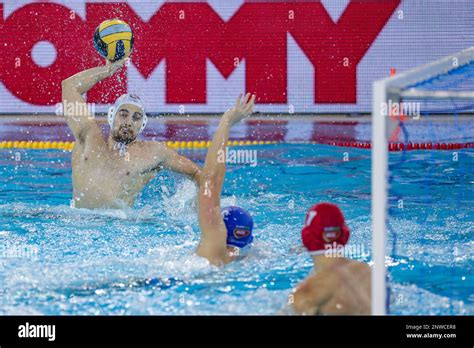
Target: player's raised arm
{"x": 213, "y": 244}
{"x": 75, "y": 109}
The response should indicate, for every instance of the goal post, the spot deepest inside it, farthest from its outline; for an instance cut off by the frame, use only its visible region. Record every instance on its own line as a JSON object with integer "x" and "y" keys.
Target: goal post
{"x": 411, "y": 84}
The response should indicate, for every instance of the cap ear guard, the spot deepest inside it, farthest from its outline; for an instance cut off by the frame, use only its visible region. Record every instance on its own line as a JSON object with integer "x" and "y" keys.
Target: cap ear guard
{"x": 111, "y": 116}
{"x": 144, "y": 122}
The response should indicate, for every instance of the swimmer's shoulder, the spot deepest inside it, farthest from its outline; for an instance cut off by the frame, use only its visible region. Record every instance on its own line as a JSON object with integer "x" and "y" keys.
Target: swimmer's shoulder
{"x": 154, "y": 149}
{"x": 360, "y": 267}
{"x": 353, "y": 275}
{"x": 144, "y": 144}
{"x": 310, "y": 293}
{"x": 151, "y": 146}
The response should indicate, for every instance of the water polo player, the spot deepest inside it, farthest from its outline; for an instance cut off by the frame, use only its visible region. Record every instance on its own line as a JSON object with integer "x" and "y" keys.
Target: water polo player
{"x": 109, "y": 173}
{"x": 339, "y": 286}
{"x": 225, "y": 234}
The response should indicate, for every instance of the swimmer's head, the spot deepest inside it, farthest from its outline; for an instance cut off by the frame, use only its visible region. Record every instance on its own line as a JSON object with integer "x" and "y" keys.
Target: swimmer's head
{"x": 127, "y": 118}
{"x": 324, "y": 226}
{"x": 239, "y": 225}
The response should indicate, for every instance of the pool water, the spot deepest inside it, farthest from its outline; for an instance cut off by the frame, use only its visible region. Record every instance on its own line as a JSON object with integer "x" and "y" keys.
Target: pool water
{"x": 58, "y": 260}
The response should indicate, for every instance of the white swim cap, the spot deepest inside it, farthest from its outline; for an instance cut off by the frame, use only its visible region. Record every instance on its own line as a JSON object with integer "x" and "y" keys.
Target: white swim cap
{"x": 132, "y": 99}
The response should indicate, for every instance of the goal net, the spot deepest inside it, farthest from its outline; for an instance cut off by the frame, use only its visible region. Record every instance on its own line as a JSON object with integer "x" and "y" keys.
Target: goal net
{"x": 422, "y": 188}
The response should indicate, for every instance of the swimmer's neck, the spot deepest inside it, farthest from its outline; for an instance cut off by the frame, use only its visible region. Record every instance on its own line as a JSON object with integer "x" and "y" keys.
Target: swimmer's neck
{"x": 111, "y": 142}
{"x": 322, "y": 261}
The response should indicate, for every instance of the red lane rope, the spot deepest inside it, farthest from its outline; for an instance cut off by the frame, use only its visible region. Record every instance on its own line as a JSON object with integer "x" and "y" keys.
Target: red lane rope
{"x": 410, "y": 146}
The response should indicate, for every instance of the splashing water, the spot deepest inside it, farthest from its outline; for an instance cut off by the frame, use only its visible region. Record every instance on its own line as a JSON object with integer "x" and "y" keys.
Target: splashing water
{"x": 60, "y": 260}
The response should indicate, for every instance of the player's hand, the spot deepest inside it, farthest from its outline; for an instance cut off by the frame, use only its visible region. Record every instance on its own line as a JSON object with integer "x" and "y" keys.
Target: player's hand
{"x": 113, "y": 67}
{"x": 242, "y": 109}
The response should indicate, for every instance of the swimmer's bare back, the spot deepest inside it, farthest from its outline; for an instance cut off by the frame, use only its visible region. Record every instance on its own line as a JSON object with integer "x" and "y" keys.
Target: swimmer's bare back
{"x": 342, "y": 287}
{"x": 101, "y": 177}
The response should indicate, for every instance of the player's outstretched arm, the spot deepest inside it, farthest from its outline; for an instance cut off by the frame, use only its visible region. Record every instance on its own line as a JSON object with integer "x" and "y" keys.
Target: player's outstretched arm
{"x": 213, "y": 244}
{"x": 75, "y": 110}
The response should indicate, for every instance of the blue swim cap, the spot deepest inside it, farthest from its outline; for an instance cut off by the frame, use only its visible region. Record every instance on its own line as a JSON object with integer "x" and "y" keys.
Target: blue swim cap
{"x": 239, "y": 226}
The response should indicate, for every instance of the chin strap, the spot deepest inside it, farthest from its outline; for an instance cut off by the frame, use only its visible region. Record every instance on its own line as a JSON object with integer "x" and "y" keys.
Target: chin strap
{"x": 122, "y": 148}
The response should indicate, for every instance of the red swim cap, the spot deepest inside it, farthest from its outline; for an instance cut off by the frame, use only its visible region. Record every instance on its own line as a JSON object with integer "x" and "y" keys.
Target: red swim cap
{"x": 324, "y": 225}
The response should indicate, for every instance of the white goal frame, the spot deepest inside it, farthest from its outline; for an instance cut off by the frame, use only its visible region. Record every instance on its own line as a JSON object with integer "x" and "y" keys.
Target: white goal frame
{"x": 394, "y": 89}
